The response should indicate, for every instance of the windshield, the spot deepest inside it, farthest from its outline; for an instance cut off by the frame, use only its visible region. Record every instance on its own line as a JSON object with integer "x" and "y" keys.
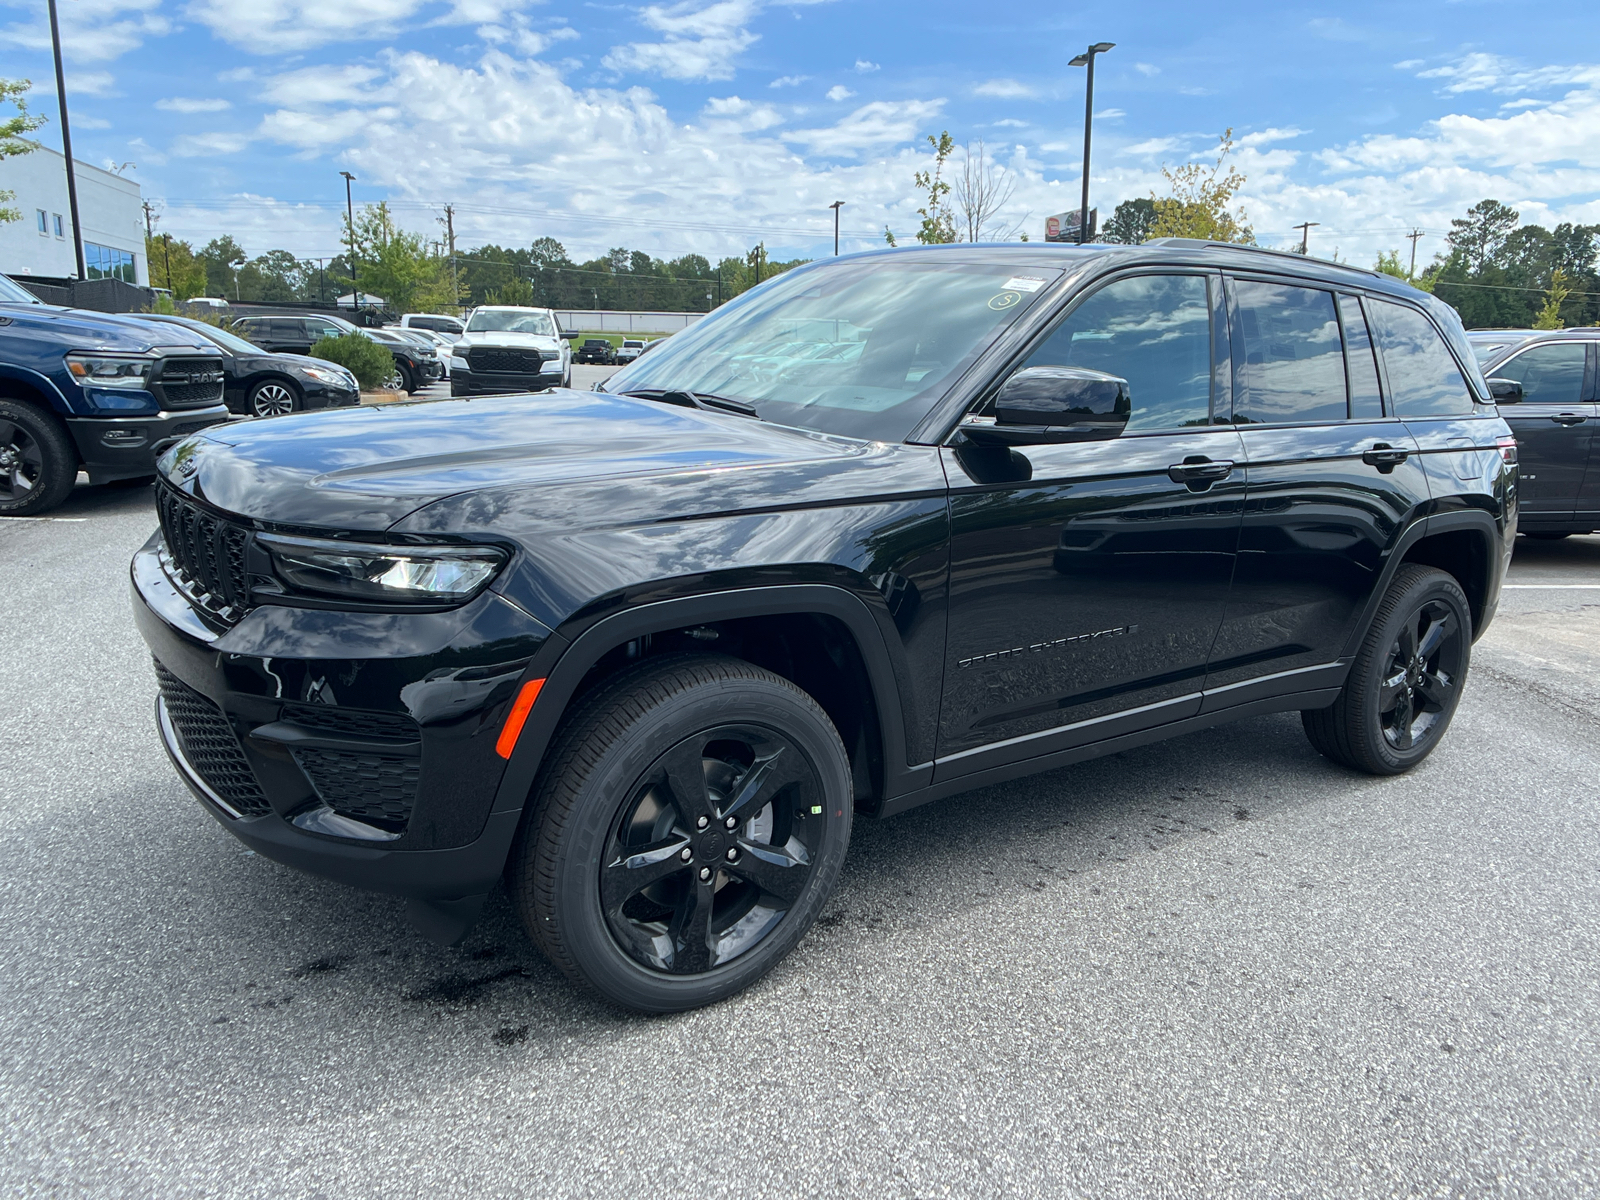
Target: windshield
{"x": 1487, "y": 350}
{"x": 14, "y": 293}
{"x": 511, "y": 321}
{"x": 863, "y": 348}
{"x": 228, "y": 341}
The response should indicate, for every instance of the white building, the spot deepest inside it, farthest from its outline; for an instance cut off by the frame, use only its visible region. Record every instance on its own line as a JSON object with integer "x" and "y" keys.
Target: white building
{"x": 109, "y": 206}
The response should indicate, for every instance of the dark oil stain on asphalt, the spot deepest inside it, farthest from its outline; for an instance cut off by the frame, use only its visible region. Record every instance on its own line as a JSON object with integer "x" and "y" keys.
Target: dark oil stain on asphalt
{"x": 508, "y": 1035}
{"x": 459, "y": 989}
{"x": 321, "y": 966}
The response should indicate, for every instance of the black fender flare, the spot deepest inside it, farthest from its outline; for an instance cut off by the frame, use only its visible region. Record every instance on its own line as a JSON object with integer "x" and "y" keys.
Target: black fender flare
{"x": 43, "y": 384}
{"x": 563, "y": 665}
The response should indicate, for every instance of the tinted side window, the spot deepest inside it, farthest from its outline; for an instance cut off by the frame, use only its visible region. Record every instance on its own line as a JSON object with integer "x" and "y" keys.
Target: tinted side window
{"x": 1548, "y": 374}
{"x": 1152, "y": 330}
{"x": 1423, "y": 377}
{"x": 1366, "y": 399}
{"x": 1288, "y": 355}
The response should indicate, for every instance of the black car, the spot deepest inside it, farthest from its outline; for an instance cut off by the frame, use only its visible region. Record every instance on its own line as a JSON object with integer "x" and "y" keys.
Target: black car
{"x": 1548, "y": 388}
{"x": 415, "y": 355}
{"x": 296, "y": 334}
{"x": 596, "y": 350}
{"x": 887, "y": 528}
{"x": 260, "y": 384}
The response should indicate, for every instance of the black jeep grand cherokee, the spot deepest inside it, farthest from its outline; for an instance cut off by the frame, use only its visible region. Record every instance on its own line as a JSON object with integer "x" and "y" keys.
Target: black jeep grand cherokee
{"x": 884, "y": 529}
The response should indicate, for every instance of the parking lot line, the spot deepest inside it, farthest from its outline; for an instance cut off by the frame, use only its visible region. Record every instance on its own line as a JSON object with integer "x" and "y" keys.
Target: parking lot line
{"x": 1566, "y": 587}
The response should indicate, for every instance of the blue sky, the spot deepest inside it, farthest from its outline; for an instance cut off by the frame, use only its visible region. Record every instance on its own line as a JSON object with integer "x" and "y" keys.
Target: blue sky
{"x": 709, "y": 126}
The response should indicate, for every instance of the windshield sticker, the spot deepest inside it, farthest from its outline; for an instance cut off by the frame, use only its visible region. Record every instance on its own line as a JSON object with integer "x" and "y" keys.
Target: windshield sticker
{"x": 1004, "y": 300}
{"x": 1024, "y": 283}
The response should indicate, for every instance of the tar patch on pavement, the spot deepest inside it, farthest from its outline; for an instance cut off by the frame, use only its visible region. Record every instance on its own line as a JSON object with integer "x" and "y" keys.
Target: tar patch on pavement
{"x": 508, "y": 1035}
{"x": 459, "y": 989}
{"x": 321, "y": 966}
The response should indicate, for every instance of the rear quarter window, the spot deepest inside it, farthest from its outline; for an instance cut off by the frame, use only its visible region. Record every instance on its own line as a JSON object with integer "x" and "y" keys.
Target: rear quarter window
{"x": 1423, "y": 376}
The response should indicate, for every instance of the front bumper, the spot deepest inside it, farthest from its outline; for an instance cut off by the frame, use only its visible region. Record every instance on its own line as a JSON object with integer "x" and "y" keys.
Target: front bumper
{"x": 355, "y": 746}
{"x": 122, "y": 447}
{"x": 502, "y": 383}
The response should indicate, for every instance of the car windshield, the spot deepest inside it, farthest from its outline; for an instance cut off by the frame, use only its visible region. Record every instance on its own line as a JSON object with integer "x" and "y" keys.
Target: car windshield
{"x": 511, "y": 321}
{"x": 1487, "y": 350}
{"x": 12, "y": 292}
{"x": 228, "y": 341}
{"x": 863, "y": 348}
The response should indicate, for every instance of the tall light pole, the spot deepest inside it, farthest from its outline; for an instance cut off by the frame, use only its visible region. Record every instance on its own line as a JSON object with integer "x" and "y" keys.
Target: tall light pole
{"x": 836, "y": 206}
{"x": 355, "y": 266}
{"x": 66, "y": 141}
{"x": 1086, "y": 59}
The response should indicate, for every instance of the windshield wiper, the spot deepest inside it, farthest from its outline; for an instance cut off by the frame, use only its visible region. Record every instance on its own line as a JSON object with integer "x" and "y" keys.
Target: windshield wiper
{"x": 688, "y": 399}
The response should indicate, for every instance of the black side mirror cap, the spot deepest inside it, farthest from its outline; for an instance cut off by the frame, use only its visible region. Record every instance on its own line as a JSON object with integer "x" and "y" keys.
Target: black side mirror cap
{"x": 1505, "y": 391}
{"x": 1054, "y": 404}
{"x": 570, "y": 335}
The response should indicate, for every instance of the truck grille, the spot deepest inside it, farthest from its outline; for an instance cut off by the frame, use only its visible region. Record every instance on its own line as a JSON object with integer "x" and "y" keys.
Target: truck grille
{"x": 210, "y": 745}
{"x": 507, "y": 362}
{"x": 190, "y": 382}
{"x": 207, "y": 552}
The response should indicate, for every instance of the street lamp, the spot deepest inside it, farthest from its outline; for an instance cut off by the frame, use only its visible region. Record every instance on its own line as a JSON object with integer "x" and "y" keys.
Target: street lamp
{"x": 1086, "y": 59}
{"x": 836, "y": 206}
{"x": 355, "y": 266}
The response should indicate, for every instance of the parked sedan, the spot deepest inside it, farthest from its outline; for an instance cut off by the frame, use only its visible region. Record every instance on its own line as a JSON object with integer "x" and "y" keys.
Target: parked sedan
{"x": 259, "y": 383}
{"x": 1545, "y": 385}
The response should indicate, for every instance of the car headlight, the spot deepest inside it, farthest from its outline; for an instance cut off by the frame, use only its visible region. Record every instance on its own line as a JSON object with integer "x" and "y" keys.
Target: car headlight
{"x": 458, "y": 364}
{"x": 110, "y": 371}
{"x": 341, "y": 379}
{"x": 363, "y": 571}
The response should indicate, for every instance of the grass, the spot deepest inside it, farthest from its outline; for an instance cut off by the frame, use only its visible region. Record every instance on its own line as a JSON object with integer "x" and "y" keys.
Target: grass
{"x": 616, "y": 339}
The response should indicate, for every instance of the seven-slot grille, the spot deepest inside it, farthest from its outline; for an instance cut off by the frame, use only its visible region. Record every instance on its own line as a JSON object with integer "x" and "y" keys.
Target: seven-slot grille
{"x": 190, "y": 382}
{"x": 210, "y": 745}
{"x": 207, "y": 551}
{"x": 517, "y": 362}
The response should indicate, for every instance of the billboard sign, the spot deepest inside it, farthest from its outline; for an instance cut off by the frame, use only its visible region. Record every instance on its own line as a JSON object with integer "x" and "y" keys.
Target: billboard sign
{"x": 1063, "y": 227}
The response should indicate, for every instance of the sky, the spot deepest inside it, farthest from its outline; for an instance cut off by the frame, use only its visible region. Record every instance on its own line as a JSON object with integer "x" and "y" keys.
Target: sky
{"x": 707, "y": 127}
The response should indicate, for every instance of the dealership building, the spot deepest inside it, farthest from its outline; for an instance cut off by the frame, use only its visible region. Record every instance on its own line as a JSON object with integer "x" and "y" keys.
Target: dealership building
{"x": 109, "y": 207}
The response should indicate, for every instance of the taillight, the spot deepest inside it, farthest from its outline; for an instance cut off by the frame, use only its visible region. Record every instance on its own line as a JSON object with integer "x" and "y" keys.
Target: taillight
{"x": 1508, "y": 449}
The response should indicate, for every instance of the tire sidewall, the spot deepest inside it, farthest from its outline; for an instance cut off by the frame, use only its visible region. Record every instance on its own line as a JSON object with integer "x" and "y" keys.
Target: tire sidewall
{"x": 586, "y": 934}
{"x": 294, "y": 397}
{"x": 60, "y": 467}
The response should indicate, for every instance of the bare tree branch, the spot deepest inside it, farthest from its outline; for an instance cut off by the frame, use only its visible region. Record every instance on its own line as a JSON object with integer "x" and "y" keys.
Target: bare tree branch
{"x": 981, "y": 190}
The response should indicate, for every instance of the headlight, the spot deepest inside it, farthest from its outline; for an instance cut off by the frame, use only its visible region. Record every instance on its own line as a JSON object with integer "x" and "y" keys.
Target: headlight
{"x": 362, "y": 571}
{"x": 342, "y": 379}
{"x": 458, "y": 364}
{"x": 103, "y": 370}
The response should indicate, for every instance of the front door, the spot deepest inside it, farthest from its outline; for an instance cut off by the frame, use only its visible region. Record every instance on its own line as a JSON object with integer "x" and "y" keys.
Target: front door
{"x": 1087, "y": 580}
{"x": 1554, "y": 427}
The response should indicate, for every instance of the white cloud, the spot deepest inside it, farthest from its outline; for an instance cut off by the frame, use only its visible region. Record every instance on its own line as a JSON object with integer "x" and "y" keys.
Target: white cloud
{"x": 1005, "y": 89}
{"x": 1265, "y": 137}
{"x": 1408, "y": 64}
{"x": 90, "y": 83}
{"x": 205, "y": 145}
{"x": 1491, "y": 73}
{"x": 1109, "y": 114}
{"x": 839, "y": 92}
{"x": 1147, "y": 69}
{"x": 702, "y": 41}
{"x": 283, "y": 26}
{"x": 1154, "y": 146}
{"x": 864, "y": 67}
{"x": 881, "y": 123}
{"x": 783, "y": 81}
{"x": 1011, "y": 123}
{"x": 92, "y": 30}
{"x": 182, "y": 104}
{"x": 321, "y": 85}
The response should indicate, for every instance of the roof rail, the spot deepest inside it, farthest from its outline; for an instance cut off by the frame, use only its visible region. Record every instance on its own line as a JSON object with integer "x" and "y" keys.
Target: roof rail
{"x": 1182, "y": 243}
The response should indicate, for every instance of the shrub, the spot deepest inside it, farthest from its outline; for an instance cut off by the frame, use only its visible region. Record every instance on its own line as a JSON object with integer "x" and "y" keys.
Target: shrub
{"x": 370, "y": 363}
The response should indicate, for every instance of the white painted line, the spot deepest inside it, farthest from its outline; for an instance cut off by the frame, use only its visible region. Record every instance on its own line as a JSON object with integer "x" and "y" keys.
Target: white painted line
{"x": 71, "y": 519}
{"x": 1586, "y": 587}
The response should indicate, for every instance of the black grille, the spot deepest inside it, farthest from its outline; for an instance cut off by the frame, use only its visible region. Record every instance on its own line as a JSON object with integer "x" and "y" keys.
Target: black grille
{"x": 190, "y": 382}
{"x": 210, "y": 745}
{"x": 207, "y": 551}
{"x": 378, "y": 789}
{"x": 508, "y": 362}
{"x": 353, "y": 722}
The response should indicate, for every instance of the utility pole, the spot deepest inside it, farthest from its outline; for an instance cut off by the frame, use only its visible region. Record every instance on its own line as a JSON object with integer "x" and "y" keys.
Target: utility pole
{"x": 166, "y": 254}
{"x": 836, "y": 206}
{"x": 355, "y": 265}
{"x": 449, "y": 222}
{"x": 66, "y": 140}
{"x": 1086, "y": 59}
{"x": 1414, "y": 235}
{"x": 1305, "y": 228}
{"x": 149, "y": 221}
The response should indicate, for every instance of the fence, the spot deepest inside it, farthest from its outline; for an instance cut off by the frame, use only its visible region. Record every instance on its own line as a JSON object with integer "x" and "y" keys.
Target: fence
{"x": 100, "y": 295}
{"x": 626, "y": 322}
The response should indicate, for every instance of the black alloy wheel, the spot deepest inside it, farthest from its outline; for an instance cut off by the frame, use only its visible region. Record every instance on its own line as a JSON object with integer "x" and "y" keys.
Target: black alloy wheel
{"x": 38, "y": 465}
{"x": 689, "y": 824}
{"x": 273, "y": 398}
{"x": 1407, "y": 679}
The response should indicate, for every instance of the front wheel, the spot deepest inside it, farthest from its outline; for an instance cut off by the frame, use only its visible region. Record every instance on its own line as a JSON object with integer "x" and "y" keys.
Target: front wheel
{"x": 408, "y": 379}
{"x": 688, "y": 828}
{"x": 273, "y": 398}
{"x": 38, "y": 464}
{"x": 1406, "y": 681}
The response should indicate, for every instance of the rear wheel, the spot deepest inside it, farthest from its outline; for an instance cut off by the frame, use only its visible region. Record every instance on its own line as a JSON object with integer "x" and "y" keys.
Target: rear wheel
{"x": 1406, "y": 681}
{"x": 686, "y": 833}
{"x": 38, "y": 464}
{"x": 273, "y": 398}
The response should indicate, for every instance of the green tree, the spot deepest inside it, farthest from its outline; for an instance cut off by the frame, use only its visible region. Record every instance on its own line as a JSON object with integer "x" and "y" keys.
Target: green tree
{"x": 515, "y": 291}
{"x": 396, "y": 264}
{"x": 1482, "y": 233}
{"x": 13, "y": 136}
{"x": 938, "y": 222}
{"x": 173, "y": 265}
{"x": 1199, "y": 206}
{"x": 1549, "y": 315}
{"x": 1130, "y": 222}
{"x": 221, "y": 258}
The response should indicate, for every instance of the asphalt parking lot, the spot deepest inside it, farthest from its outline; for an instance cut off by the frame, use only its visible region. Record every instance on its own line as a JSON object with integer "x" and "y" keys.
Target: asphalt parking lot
{"x": 1214, "y": 967}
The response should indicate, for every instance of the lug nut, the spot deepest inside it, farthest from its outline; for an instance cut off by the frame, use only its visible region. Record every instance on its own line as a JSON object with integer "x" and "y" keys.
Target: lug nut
{"x": 731, "y": 822}
{"x": 701, "y": 823}
{"x": 686, "y": 854}
{"x": 733, "y": 854}
{"x": 705, "y": 874}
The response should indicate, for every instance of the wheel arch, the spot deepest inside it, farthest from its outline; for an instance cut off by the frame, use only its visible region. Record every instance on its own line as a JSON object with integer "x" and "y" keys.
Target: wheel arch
{"x": 1461, "y": 544}
{"x": 852, "y": 679}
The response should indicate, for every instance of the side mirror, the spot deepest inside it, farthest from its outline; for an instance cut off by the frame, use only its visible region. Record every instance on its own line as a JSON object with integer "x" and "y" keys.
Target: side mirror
{"x": 570, "y": 335}
{"x": 1505, "y": 391}
{"x": 1054, "y": 404}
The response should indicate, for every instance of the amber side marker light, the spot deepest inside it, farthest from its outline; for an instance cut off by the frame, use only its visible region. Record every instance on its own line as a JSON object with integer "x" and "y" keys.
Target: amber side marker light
{"x": 518, "y": 718}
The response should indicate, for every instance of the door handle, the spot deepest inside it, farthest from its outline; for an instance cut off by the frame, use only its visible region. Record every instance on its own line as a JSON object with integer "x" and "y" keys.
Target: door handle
{"x": 1569, "y": 419}
{"x": 1385, "y": 457}
{"x": 1199, "y": 470}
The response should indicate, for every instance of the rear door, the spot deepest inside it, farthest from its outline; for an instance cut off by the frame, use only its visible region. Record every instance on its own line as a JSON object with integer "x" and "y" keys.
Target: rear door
{"x": 1334, "y": 477}
{"x": 1554, "y": 424}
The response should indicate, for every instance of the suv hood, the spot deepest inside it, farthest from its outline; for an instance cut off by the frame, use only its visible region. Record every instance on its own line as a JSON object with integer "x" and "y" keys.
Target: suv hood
{"x": 489, "y": 337}
{"x": 552, "y": 460}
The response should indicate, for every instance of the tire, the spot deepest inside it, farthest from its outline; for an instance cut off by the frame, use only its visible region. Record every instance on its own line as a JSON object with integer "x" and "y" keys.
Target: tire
{"x": 652, "y": 767}
{"x": 1407, "y": 679}
{"x": 273, "y": 398}
{"x": 38, "y": 462}
{"x": 408, "y": 380}
{"x": 566, "y": 380}
{"x": 397, "y": 379}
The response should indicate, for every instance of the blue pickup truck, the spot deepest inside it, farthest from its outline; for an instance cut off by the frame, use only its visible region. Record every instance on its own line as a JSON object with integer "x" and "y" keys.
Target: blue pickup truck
{"x": 94, "y": 392}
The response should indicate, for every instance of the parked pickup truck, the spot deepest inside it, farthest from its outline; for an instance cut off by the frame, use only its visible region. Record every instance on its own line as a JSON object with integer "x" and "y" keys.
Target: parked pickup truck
{"x": 92, "y": 391}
